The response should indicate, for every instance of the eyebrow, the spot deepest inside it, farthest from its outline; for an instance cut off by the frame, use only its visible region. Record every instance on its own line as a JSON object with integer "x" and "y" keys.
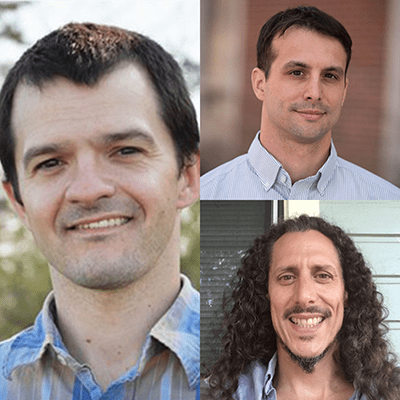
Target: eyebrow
{"x": 293, "y": 64}
{"x": 38, "y": 151}
{"x": 130, "y": 134}
{"x": 314, "y": 268}
{"x": 287, "y": 269}
{"x": 107, "y": 139}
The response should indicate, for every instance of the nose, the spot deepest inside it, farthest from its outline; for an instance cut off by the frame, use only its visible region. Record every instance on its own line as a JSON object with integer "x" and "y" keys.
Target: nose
{"x": 305, "y": 292}
{"x": 88, "y": 183}
{"x": 313, "y": 89}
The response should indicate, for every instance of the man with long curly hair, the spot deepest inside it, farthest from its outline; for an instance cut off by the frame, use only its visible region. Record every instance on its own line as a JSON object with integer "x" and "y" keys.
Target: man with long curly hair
{"x": 306, "y": 321}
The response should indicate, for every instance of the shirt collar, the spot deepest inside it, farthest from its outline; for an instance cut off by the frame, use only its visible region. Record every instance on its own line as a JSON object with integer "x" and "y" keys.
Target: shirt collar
{"x": 269, "y": 377}
{"x": 267, "y": 167}
{"x": 178, "y": 329}
{"x": 29, "y": 346}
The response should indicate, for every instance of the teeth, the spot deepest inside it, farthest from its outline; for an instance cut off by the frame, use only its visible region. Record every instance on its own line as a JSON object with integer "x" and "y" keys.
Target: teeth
{"x": 307, "y": 323}
{"x": 105, "y": 223}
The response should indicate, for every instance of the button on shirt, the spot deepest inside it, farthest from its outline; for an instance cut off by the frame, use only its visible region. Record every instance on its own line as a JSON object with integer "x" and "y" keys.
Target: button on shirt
{"x": 35, "y": 364}
{"x": 257, "y": 175}
{"x": 256, "y": 383}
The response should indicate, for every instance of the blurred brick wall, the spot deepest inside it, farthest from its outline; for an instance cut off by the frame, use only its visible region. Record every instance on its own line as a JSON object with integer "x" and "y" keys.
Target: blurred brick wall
{"x": 357, "y": 134}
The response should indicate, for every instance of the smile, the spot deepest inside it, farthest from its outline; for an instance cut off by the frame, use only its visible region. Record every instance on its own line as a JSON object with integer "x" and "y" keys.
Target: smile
{"x": 307, "y": 323}
{"x": 105, "y": 223}
{"x": 311, "y": 115}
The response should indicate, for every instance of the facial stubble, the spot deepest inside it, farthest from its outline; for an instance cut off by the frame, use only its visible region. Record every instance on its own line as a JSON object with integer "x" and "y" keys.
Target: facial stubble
{"x": 307, "y": 364}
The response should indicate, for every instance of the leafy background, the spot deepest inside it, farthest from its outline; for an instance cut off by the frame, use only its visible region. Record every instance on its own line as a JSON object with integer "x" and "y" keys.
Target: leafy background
{"x": 24, "y": 273}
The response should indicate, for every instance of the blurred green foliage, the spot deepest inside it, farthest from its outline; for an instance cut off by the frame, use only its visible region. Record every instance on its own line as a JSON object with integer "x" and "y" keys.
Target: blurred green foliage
{"x": 190, "y": 243}
{"x": 24, "y": 273}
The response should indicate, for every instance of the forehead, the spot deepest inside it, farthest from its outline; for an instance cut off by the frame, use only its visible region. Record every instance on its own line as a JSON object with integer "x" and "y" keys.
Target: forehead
{"x": 308, "y": 46}
{"x": 122, "y": 99}
{"x": 299, "y": 249}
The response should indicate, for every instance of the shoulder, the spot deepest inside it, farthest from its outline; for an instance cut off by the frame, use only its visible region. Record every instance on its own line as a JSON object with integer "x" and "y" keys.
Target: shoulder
{"x": 251, "y": 381}
{"x": 218, "y": 183}
{"x": 225, "y": 169}
{"x": 374, "y": 187}
{"x": 11, "y": 354}
{"x": 21, "y": 349}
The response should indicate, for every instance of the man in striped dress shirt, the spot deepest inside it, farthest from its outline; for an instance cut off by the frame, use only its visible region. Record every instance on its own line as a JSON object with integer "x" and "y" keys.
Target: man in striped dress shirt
{"x": 99, "y": 164}
{"x": 301, "y": 78}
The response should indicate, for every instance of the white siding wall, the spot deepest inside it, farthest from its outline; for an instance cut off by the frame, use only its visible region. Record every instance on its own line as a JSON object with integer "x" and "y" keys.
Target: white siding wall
{"x": 375, "y": 228}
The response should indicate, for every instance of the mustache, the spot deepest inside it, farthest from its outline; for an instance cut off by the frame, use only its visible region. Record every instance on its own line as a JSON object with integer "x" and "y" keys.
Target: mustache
{"x": 307, "y": 106}
{"x": 307, "y": 310}
{"x": 75, "y": 213}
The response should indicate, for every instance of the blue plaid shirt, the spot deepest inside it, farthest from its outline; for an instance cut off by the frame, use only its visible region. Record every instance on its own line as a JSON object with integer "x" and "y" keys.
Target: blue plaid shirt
{"x": 35, "y": 364}
{"x": 257, "y": 175}
{"x": 256, "y": 383}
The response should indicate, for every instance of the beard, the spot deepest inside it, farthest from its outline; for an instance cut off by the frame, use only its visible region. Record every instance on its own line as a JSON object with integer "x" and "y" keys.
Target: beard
{"x": 307, "y": 364}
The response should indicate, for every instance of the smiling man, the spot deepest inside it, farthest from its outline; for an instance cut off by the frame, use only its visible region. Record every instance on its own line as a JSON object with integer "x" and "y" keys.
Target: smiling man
{"x": 303, "y": 55}
{"x": 98, "y": 165}
{"x": 306, "y": 322}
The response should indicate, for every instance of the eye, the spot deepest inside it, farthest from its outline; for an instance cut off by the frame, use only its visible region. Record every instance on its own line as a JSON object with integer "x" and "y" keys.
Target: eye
{"x": 286, "y": 279}
{"x": 48, "y": 165}
{"x": 331, "y": 76}
{"x": 129, "y": 150}
{"x": 296, "y": 73}
{"x": 323, "y": 277}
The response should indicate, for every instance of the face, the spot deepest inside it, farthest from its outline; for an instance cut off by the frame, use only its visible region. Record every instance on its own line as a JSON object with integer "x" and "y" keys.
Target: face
{"x": 306, "y": 291}
{"x": 306, "y": 86}
{"x": 99, "y": 177}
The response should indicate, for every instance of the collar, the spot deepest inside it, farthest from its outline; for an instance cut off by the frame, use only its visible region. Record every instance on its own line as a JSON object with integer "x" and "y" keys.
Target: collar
{"x": 178, "y": 329}
{"x": 269, "y": 376}
{"x": 30, "y": 345}
{"x": 268, "y": 168}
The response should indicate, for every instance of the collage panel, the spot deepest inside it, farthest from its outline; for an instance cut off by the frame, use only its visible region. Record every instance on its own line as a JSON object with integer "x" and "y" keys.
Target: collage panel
{"x": 300, "y": 295}
{"x": 300, "y": 102}
{"x": 99, "y": 202}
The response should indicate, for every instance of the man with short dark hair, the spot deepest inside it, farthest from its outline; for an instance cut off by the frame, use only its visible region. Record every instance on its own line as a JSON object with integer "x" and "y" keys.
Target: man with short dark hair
{"x": 301, "y": 78}
{"x": 306, "y": 321}
{"x": 99, "y": 144}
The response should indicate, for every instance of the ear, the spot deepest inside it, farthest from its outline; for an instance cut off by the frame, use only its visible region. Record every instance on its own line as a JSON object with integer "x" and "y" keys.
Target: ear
{"x": 346, "y": 297}
{"x": 258, "y": 82}
{"x": 18, "y": 207}
{"x": 345, "y": 90}
{"x": 189, "y": 183}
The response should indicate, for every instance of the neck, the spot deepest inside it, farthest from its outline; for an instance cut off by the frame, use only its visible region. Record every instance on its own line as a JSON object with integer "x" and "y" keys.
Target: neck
{"x": 325, "y": 382}
{"x": 300, "y": 159}
{"x": 106, "y": 329}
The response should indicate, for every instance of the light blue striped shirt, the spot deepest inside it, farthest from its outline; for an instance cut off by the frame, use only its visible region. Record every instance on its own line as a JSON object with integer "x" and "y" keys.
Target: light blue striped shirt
{"x": 256, "y": 383}
{"x": 257, "y": 175}
{"x": 35, "y": 364}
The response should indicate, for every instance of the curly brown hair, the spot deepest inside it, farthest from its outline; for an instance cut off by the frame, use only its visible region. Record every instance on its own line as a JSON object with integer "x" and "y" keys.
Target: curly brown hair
{"x": 363, "y": 353}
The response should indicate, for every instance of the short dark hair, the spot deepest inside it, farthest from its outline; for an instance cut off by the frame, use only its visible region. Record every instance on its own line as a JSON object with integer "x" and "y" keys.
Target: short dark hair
{"x": 364, "y": 353}
{"x": 305, "y": 17}
{"x": 85, "y": 52}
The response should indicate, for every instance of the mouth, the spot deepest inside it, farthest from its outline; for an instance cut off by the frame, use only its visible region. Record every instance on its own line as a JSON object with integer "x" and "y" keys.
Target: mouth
{"x": 307, "y": 323}
{"x": 100, "y": 224}
{"x": 311, "y": 115}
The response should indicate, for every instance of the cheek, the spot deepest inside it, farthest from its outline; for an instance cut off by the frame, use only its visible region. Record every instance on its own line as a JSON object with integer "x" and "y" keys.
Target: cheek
{"x": 278, "y": 306}
{"x": 337, "y": 100}
{"x": 41, "y": 204}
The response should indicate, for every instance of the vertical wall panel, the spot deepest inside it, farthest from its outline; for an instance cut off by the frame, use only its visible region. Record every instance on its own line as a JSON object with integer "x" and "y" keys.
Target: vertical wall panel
{"x": 375, "y": 228}
{"x": 228, "y": 229}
